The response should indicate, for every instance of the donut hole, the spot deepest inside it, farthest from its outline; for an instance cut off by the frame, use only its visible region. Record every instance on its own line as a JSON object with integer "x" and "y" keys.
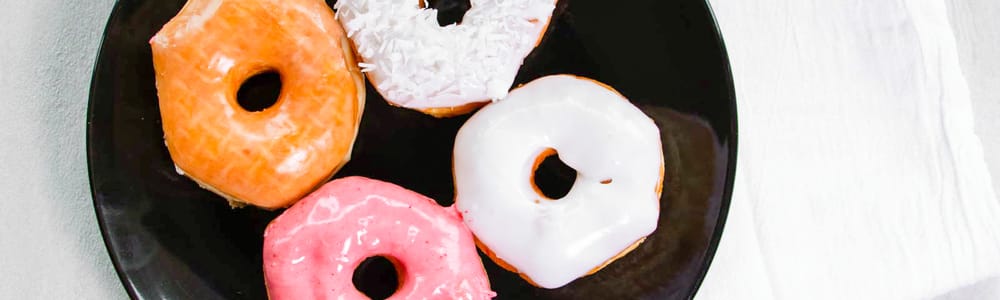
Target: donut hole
{"x": 260, "y": 91}
{"x": 377, "y": 277}
{"x": 448, "y": 11}
{"x": 551, "y": 177}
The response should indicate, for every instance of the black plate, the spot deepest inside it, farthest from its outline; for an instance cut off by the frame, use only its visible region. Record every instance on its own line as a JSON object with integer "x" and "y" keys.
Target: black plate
{"x": 170, "y": 239}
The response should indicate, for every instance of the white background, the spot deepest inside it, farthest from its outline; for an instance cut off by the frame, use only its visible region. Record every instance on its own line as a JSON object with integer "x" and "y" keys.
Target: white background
{"x": 50, "y": 246}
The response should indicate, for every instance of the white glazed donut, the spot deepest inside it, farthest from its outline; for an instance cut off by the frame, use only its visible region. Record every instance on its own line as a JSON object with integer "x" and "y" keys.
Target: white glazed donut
{"x": 612, "y": 206}
{"x": 443, "y": 71}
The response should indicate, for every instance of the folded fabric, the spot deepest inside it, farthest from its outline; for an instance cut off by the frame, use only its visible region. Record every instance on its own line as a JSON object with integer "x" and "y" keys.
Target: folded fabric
{"x": 859, "y": 172}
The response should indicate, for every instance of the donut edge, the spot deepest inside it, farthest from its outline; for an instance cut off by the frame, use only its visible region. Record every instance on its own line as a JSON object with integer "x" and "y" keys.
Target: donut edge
{"x": 437, "y": 112}
{"x": 351, "y": 63}
{"x": 448, "y": 112}
{"x": 234, "y": 202}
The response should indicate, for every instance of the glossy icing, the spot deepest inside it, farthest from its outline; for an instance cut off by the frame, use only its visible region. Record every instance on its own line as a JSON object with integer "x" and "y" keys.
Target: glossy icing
{"x": 416, "y": 63}
{"x": 272, "y": 157}
{"x": 312, "y": 249}
{"x": 595, "y": 131}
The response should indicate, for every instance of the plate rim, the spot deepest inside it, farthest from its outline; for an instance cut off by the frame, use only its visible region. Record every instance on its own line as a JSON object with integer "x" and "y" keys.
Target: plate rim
{"x": 733, "y": 145}
{"x": 130, "y": 287}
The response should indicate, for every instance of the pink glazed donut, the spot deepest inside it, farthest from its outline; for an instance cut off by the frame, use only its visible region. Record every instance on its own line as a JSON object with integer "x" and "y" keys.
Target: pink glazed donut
{"x": 312, "y": 249}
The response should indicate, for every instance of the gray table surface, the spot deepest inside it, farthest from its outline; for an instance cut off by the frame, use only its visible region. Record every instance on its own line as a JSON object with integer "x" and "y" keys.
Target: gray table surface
{"x": 50, "y": 243}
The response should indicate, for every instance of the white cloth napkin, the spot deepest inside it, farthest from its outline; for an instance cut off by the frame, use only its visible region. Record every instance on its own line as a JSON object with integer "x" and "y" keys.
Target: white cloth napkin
{"x": 859, "y": 176}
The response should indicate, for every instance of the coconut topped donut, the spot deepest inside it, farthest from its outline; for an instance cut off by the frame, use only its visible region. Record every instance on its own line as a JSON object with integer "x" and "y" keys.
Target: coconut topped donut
{"x": 443, "y": 71}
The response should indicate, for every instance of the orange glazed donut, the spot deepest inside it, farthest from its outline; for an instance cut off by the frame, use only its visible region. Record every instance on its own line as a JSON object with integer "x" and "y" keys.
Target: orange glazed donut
{"x": 269, "y": 158}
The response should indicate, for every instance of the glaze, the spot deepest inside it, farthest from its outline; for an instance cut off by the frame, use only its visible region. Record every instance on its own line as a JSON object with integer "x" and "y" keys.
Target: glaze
{"x": 613, "y": 204}
{"x": 312, "y": 249}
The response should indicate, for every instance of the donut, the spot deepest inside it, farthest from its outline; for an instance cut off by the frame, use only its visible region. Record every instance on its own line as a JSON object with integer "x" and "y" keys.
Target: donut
{"x": 268, "y": 158}
{"x": 312, "y": 249}
{"x": 612, "y": 206}
{"x": 443, "y": 71}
